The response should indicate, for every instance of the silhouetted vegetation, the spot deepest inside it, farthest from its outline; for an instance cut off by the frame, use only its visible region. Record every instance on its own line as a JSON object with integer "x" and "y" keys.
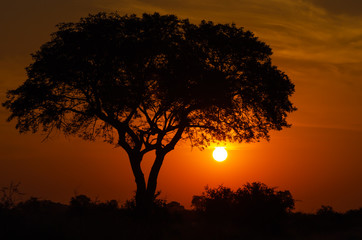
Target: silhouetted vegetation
{"x": 145, "y": 83}
{"x": 8, "y": 195}
{"x": 254, "y": 205}
{"x": 254, "y": 211}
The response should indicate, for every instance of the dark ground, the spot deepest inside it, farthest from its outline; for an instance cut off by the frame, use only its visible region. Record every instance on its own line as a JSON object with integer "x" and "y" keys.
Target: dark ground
{"x": 83, "y": 219}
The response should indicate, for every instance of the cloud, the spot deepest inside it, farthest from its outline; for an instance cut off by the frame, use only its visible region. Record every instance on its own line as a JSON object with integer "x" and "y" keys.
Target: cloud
{"x": 295, "y": 29}
{"x": 345, "y": 7}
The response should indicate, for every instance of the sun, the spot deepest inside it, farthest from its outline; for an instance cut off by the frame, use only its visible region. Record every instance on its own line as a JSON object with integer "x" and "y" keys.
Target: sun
{"x": 220, "y": 154}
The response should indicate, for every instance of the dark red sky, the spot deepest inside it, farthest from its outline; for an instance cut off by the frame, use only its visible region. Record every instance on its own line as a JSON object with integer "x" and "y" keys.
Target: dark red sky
{"x": 317, "y": 43}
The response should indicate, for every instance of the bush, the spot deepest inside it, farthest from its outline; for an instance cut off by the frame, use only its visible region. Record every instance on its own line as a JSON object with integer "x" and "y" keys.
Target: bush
{"x": 158, "y": 206}
{"x": 8, "y": 195}
{"x": 255, "y": 202}
{"x": 215, "y": 201}
{"x": 258, "y": 202}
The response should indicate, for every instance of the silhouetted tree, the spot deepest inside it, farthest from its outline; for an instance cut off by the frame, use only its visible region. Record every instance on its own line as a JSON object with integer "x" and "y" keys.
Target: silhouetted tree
{"x": 215, "y": 201}
{"x": 80, "y": 202}
{"x": 9, "y": 194}
{"x": 259, "y": 203}
{"x": 326, "y": 211}
{"x": 144, "y": 83}
{"x": 255, "y": 203}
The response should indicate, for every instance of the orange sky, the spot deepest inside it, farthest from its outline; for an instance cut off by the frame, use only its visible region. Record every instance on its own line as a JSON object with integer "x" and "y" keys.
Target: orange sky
{"x": 317, "y": 43}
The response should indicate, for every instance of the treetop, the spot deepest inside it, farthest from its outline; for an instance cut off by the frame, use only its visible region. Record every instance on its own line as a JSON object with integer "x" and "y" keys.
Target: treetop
{"x": 146, "y": 82}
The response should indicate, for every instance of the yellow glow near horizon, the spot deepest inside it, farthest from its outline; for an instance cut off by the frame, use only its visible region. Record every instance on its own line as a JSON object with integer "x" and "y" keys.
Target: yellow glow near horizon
{"x": 220, "y": 154}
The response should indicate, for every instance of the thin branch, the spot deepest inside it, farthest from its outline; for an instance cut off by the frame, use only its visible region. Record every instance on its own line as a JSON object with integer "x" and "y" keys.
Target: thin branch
{"x": 200, "y": 126}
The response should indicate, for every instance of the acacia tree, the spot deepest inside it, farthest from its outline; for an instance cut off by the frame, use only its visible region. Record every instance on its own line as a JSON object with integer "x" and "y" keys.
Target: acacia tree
{"x": 145, "y": 83}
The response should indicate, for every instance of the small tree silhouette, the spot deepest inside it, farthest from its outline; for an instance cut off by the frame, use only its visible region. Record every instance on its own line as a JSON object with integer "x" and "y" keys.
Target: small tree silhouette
{"x": 145, "y": 83}
{"x": 326, "y": 211}
{"x": 9, "y": 195}
{"x": 259, "y": 203}
{"x": 254, "y": 203}
{"x": 80, "y": 202}
{"x": 215, "y": 201}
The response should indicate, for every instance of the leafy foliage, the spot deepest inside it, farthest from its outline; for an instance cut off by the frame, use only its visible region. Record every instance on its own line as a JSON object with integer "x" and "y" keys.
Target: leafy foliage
{"x": 8, "y": 195}
{"x": 144, "y": 78}
{"x": 253, "y": 202}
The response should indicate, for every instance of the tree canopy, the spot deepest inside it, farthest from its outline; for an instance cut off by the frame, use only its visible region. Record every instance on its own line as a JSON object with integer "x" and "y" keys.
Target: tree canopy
{"x": 254, "y": 203}
{"x": 146, "y": 82}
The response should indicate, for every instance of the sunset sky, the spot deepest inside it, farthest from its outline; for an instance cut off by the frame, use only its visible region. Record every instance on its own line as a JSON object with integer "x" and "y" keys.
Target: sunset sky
{"x": 317, "y": 43}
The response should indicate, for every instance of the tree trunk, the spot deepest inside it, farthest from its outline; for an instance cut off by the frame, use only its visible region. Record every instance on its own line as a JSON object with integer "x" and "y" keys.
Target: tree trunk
{"x": 145, "y": 195}
{"x": 152, "y": 178}
{"x": 141, "y": 192}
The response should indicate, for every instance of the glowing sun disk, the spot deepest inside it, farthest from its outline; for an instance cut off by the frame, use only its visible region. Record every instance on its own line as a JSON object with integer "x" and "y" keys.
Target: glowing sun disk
{"x": 220, "y": 154}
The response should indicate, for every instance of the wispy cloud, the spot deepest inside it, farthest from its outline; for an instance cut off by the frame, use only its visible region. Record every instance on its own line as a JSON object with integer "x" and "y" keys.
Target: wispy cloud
{"x": 345, "y": 7}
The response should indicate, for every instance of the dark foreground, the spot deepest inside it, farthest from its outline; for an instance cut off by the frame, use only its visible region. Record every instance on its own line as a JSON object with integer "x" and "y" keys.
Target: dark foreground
{"x": 83, "y": 219}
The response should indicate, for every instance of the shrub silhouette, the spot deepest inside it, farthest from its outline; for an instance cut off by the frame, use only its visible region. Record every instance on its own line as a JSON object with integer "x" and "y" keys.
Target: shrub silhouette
{"x": 215, "y": 201}
{"x": 80, "y": 205}
{"x": 253, "y": 203}
{"x": 254, "y": 211}
{"x": 259, "y": 202}
{"x": 8, "y": 195}
{"x": 37, "y": 206}
{"x": 326, "y": 211}
{"x": 80, "y": 202}
{"x": 158, "y": 205}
